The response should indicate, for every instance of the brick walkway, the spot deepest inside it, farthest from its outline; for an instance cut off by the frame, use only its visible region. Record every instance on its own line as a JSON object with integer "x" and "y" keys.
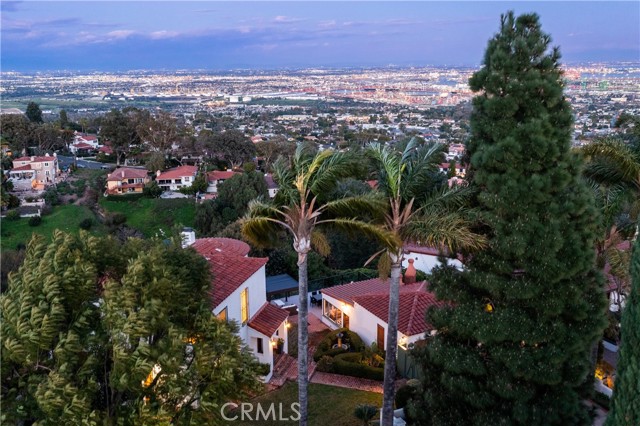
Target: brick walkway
{"x": 351, "y": 382}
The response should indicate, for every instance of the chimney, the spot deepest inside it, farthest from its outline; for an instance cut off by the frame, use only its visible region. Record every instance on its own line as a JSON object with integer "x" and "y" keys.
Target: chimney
{"x": 158, "y": 172}
{"x": 33, "y": 158}
{"x": 410, "y": 273}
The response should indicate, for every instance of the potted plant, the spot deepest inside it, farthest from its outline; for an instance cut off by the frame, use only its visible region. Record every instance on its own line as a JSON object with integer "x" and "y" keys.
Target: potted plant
{"x": 280, "y": 345}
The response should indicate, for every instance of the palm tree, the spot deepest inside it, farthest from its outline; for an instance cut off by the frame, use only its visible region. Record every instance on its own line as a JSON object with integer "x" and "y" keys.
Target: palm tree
{"x": 440, "y": 221}
{"x": 616, "y": 166}
{"x": 300, "y": 208}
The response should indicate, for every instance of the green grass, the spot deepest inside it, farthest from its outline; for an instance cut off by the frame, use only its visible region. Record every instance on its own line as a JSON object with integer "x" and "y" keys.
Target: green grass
{"x": 328, "y": 405}
{"x": 149, "y": 215}
{"x": 65, "y": 218}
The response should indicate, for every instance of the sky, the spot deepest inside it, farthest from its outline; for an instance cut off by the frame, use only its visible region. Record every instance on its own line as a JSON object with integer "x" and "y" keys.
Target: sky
{"x": 219, "y": 35}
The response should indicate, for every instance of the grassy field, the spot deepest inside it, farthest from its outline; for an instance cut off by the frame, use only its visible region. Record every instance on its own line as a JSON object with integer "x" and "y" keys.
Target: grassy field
{"x": 66, "y": 218}
{"x": 328, "y": 405}
{"x": 149, "y": 215}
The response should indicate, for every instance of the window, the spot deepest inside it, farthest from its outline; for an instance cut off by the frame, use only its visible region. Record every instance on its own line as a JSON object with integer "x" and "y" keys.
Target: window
{"x": 332, "y": 313}
{"x": 259, "y": 346}
{"x": 222, "y": 316}
{"x": 46, "y": 164}
{"x": 244, "y": 305}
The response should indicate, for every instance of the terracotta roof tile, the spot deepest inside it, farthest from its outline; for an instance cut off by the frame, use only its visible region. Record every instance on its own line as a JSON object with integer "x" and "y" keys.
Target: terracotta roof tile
{"x": 229, "y": 273}
{"x": 178, "y": 172}
{"x": 268, "y": 318}
{"x": 36, "y": 159}
{"x": 219, "y": 174}
{"x": 348, "y": 292}
{"x": 126, "y": 173}
{"x": 412, "y": 308}
{"x": 215, "y": 246}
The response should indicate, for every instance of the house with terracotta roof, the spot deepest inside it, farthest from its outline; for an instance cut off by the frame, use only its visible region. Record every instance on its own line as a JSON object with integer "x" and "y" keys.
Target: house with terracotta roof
{"x": 126, "y": 180}
{"x": 176, "y": 178}
{"x": 216, "y": 177}
{"x": 272, "y": 186}
{"x": 238, "y": 293}
{"x": 41, "y": 171}
{"x": 363, "y": 307}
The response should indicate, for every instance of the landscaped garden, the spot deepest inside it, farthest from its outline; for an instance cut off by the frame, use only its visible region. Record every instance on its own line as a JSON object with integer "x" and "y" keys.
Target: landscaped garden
{"x": 328, "y": 405}
{"x": 343, "y": 352}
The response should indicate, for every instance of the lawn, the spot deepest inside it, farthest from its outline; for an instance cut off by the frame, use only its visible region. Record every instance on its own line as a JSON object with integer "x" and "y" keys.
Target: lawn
{"x": 148, "y": 215}
{"x": 328, "y": 405}
{"x": 65, "y": 218}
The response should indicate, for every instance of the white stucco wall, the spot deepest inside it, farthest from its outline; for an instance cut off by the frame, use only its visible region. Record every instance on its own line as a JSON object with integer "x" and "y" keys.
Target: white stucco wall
{"x": 257, "y": 297}
{"x": 426, "y": 262}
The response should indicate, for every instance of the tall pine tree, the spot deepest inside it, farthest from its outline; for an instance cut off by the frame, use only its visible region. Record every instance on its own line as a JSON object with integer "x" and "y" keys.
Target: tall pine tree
{"x": 513, "y": 345}
{"x": 625, "y": 407}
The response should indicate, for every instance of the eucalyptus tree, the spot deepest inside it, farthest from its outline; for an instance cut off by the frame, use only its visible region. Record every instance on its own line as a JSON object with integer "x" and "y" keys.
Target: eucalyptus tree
{"x": 439, "y": 219}
{"x": 301, "y": 209}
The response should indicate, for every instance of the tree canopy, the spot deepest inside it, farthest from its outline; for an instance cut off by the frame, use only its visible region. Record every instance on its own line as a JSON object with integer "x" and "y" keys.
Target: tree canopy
{"x": 98, "y": 332}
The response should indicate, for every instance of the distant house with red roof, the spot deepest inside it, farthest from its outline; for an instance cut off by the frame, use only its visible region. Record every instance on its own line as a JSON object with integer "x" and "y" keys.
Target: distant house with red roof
{"x": 238, "y": 293}
{"x": 127, "y": 180}
{"x": 176, "y": 178}
{"x": 363, "y": 307}
{"x": 42, "y": 170}
{"x": 216, "y": 177}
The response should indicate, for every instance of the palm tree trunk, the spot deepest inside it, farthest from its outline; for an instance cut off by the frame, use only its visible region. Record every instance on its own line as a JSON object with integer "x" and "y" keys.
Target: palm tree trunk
{"x": 392, "y": 343}
{"x": 303, "y": 338}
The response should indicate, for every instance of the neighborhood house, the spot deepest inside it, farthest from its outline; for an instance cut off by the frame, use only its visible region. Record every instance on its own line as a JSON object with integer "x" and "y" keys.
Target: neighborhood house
{"x": 41, "y": 171}
{"x": 215, "y": 178}
{"x": 238, "y": 293}
{"x": 126, "y": 180}
{"x": 363, "y": 307}
{"x": 174, "y": 179}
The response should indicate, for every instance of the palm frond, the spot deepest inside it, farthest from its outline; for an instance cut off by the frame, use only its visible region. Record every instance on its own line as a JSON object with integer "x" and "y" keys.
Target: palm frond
{"x": 384, "y": 265}
{"x": 622, "y": 161}
{"x": 320, "y": 243}
{"x": 443, "y": 230}
{"x": 326, "y": 170}
{"x": 389, "y": 168}
{"x": 373, "y": 204}
{"x": 261, "y": 231}
{"x": 386, "y": 238}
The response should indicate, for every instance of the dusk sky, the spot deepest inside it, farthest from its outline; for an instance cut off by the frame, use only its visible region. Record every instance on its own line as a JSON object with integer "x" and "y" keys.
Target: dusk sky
{"x": 119, "y": 35}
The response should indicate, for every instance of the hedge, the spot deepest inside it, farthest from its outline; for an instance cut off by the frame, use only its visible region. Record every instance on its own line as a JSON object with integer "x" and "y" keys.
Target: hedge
{"x": 343, "y": 364}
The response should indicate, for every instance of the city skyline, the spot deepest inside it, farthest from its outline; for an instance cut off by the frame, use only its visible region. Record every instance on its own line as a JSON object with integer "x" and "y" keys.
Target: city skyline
{"x": 120, "y": 36}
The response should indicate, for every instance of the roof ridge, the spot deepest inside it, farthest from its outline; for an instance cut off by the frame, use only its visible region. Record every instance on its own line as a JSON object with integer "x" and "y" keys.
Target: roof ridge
{"x": 413, "y": 309}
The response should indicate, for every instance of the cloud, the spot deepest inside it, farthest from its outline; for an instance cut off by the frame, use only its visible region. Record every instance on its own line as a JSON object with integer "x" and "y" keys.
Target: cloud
{"x": 281, "y": 19}
{"x": 120, "y": 34}
{"x": 164, "y": 34}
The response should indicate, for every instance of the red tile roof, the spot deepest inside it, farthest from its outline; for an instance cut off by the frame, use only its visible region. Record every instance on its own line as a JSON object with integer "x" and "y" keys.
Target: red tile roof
{"x": 36, "y": 159}
{"x": 412, "y": 308}
{"x": 221, "y": 246}
{"x": 229, "y": 273}
{"x": 268, "y": 318}
{"x": 82, "y": 145}
{"x": 21, "y": 168}
{"x": 219, "y": 174}
{"x": 106, "y": 149}
{"x": 229, "y": 265}
{"x": 178, "y": 172}
{"x": 126, "y": 173}
{"x": 348, "y": 292}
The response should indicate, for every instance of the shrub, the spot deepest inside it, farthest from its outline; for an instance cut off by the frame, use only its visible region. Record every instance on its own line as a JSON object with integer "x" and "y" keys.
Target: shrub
{"x": 152, "y": 190}
{"x": 13, "y": 215}
{"x": 125, "y": 197}
{"x": 46, "y": 210}
{"x": 264, "y": 369}
{"x": 86, "y": 223}
{"x": 404, "y": 394}
{"x": 365, "y": 412}
{"x": 114, "y": 219}
{"x": 35, "y": 220}
{"x": 51, "y": 197}
{"x": 325, "y": 364}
